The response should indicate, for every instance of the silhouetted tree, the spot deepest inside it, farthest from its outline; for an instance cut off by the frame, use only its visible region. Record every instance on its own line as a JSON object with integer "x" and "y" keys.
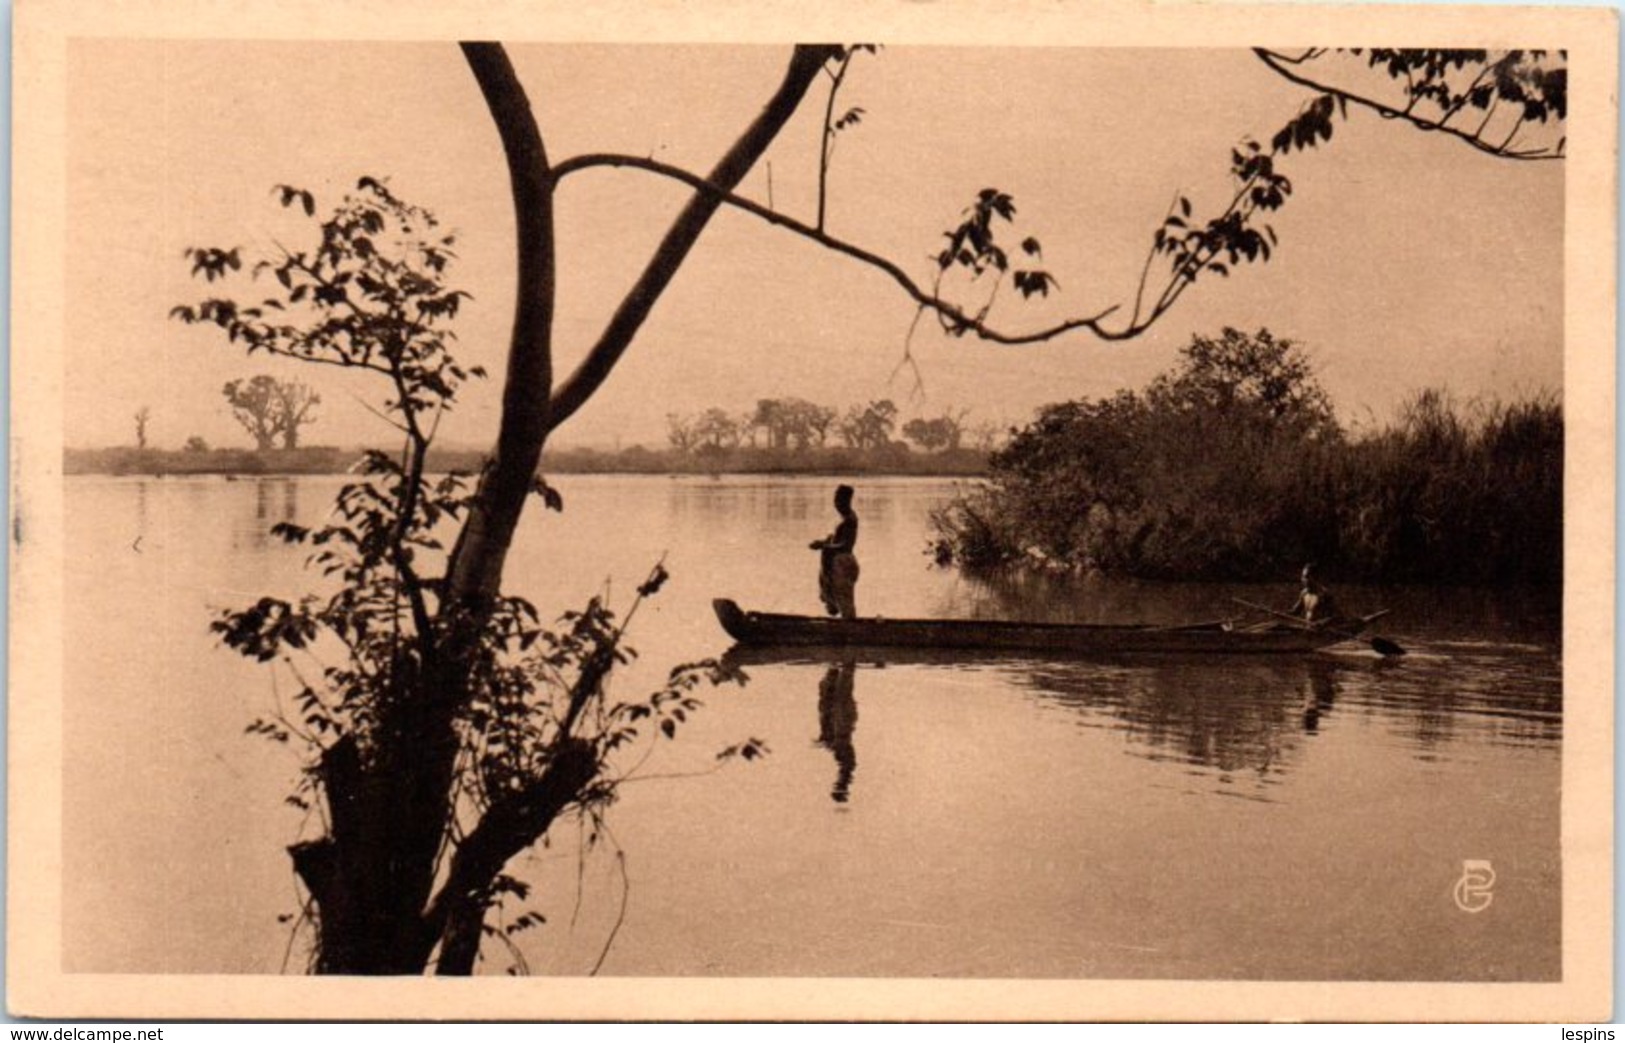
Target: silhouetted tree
{"x": 1256, "y": 372}
{"x": 941, "y": 432}
{"x": 870, "y": 426}
{"x": 267, "y": 408}
{"x": 768, "y": 418}
{"x": 295, "y": 404}
{"x": 253, "y": 404}
{"x": 680, "y": 432}
{"x": 717, "y": 429}
{"x": 792, "y": 422}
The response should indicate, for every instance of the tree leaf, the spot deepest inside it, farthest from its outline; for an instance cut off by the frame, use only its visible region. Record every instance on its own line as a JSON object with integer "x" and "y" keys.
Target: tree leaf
{"x": 550, "y": 496}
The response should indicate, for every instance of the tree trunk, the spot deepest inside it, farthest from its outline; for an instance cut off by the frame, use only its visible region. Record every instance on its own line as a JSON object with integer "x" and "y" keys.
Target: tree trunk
{"x": 366, "y": 927}
{"x": 373, "y": 876}
{"x": 475, "y": 570}
{"x": 804, "y": 67}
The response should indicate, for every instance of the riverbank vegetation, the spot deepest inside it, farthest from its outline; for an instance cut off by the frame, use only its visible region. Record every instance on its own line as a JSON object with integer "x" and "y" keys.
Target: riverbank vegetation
{"x": 1233, "y": 466}
{"x": 892, "y": 459}
{"x": 778, "y": 436}
{"x": 200, "y": 459}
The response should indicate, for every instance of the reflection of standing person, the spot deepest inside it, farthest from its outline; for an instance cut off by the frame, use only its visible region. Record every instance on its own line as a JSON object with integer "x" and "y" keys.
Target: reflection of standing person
{"x": 837, "y": 717}
{"x": 1319, "y": 694}
{"x": 838, "y": 565}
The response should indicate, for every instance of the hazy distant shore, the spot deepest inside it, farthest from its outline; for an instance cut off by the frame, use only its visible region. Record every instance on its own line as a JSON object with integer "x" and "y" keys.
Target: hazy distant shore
{"x": 632, "y": 460}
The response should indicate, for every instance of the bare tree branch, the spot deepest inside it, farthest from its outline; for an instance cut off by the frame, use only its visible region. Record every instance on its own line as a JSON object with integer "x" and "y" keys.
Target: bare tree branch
{"x": 511, "y": 824}
{"x": 805, "y": 64}
{"x": 953, "y": 312}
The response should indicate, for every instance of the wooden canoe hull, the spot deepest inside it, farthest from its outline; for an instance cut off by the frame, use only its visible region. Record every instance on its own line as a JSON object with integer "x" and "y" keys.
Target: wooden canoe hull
{"x": 767, "y": 629}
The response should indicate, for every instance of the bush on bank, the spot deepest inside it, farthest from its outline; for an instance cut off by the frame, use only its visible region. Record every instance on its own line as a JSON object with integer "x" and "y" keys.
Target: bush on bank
{"x": 1232, "y": 466}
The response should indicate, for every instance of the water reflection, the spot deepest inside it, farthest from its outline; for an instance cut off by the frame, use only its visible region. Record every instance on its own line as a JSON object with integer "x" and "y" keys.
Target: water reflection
{"x": 724, "y": 500}
{"x": 837, "y": 717}
{"x": 1485, "y": 665}
{"x": 1231, "y": 717}
{"x": 140, "y": 512}
{"x": 782, "y": 504}
{"x": 1453, "y": 693}
{"x": 1235, "y": 716}
{"x": 275, "y": 500}
{"x": 1318, "y": 696}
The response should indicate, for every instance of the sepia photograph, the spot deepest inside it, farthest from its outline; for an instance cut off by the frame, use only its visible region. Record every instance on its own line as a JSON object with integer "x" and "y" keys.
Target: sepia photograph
{"x": 1042, "y": 513}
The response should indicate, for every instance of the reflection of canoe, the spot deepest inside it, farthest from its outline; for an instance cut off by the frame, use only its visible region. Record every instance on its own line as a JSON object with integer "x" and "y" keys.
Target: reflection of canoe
{"x": 772, "y": 629}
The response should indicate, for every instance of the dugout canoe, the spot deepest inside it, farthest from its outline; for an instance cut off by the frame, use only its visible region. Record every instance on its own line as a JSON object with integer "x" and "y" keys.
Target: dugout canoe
{"x": 772, "y": 629}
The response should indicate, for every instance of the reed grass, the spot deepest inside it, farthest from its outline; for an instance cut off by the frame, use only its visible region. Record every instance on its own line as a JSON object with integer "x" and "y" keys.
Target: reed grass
{"x": 1446, "y": 492}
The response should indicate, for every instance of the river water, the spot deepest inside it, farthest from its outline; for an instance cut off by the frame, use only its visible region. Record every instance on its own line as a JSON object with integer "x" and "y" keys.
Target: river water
{"x": 1297, "y": 818}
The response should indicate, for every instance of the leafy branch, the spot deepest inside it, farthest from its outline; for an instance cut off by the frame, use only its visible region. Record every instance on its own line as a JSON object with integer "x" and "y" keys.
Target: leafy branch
{"x": 1516, "y": 93}
{"x": 835, "y": 68}
{"x": 528, "y": 735}
{"x": 951, "y": 312}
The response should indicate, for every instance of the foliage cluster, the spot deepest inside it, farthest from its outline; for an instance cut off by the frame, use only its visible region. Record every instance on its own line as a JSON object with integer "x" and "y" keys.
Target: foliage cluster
{"x": 404, "y": 701}
{"x": 1232, "y": 465}
{"x": 1512, "y": 104}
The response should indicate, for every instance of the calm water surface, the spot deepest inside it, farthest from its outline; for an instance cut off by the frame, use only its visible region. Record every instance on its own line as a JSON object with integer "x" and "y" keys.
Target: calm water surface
{"x": 1299, "y": 818}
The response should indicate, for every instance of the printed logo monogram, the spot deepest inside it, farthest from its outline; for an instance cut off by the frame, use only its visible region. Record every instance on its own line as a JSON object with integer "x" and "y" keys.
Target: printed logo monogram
{"x": 1473, "y": 890}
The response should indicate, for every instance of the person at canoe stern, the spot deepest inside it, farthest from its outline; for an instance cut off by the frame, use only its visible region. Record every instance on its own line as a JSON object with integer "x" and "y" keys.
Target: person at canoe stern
{"x": 838, "y": 565}
{"x": 1315, "y": 603}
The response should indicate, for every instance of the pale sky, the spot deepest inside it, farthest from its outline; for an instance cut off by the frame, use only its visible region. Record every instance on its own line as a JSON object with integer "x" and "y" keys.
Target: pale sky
{"x": 1406, "y": 260}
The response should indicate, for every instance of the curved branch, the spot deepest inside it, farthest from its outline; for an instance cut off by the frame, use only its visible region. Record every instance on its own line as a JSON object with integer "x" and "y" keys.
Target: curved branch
{"x": 825, "y": 148}
{"x": 1280, "y": 64}
{"x": 513, "y": 823}
{"x": 475, "y": 566}
{"x": 958, "y": 318}
{"x": 572, "y": 394}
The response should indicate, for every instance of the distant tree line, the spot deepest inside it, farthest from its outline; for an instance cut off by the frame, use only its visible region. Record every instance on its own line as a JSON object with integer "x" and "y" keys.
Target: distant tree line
{"x": 198, "y": 458}
{"x": 1233, "y": 465}
{"x": 780, "y": 432}
{"x": 794, "y": 425}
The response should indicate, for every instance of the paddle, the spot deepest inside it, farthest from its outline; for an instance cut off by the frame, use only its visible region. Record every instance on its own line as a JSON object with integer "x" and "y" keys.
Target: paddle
{"x": 1379, "y": 645}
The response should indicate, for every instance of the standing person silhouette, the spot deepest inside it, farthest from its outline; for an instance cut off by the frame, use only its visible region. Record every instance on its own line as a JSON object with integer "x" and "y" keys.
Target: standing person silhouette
{"x": 838, "y": 565}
